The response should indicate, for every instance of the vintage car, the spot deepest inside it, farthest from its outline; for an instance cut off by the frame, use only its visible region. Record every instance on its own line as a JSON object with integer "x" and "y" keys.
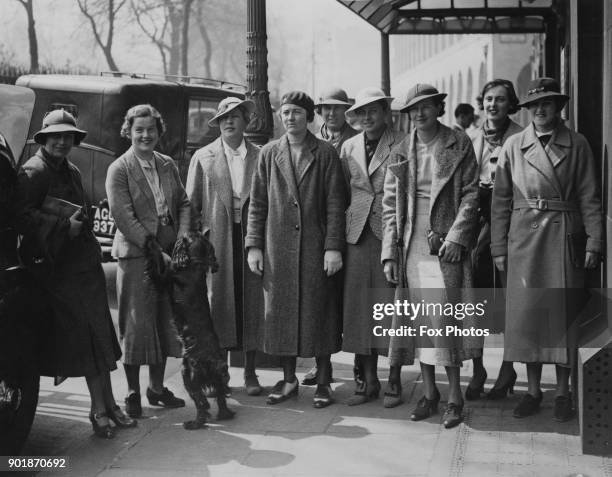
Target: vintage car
{"x": 100, "y": 104}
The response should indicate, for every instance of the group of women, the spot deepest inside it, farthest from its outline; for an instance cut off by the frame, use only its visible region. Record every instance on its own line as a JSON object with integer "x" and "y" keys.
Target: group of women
{"x": 429, "y": 212}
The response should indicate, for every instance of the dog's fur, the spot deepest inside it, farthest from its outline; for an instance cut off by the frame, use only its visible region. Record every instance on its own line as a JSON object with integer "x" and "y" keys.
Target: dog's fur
{"x": 204, "y": 362}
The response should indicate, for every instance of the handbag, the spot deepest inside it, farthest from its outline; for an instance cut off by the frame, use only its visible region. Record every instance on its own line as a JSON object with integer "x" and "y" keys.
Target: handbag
{"x": 577, "y": 247}
{"x": 435, "y": 241}
{"x": 60, "y": 207}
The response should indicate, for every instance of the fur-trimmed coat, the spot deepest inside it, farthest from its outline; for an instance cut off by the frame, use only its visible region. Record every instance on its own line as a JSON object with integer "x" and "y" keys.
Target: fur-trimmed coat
{"x": 209, "y": 187}
{"x": 294, "y": 222}
{"x": 453, "y": 205}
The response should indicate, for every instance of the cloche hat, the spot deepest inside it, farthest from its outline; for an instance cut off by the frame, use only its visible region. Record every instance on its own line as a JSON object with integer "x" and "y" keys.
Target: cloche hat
{"x": 58, "y": 121}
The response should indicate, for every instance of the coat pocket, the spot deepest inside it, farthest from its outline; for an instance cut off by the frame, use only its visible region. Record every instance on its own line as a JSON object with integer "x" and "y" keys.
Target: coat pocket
{"x": 577, "y": 247}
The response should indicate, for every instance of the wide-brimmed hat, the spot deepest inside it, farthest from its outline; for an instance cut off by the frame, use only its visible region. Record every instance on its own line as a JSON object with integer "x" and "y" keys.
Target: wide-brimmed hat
{"x": 543, "y": 88}
{"x": 228, "y": 104}
{"x": 420, "y": 92}
{"x": 367, "y": 96}
{"x": 59, "y": 121}
{"x": 332, "y": 96}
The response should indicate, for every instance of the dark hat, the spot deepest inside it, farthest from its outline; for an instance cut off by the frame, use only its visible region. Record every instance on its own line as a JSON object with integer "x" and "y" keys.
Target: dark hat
{"x": 542, "y": 88}
{"x": 58, "y": 121}
{"x": 420, "y": 92}
{"x": 228, "y": 104}
{"x": 333, "y": 96}
{"x": 367, "y": 96}
{"x": 301, "y": 99}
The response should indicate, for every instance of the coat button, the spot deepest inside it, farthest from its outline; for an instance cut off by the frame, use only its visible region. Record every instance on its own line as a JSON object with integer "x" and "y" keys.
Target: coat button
{"x": 297, "y": 227}
{"x": 295, "y": 203}
{"x": 534, "y": 225}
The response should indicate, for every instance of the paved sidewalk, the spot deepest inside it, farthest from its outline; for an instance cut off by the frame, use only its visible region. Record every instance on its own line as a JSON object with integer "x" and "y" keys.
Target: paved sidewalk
{"x": 294, "y": 439}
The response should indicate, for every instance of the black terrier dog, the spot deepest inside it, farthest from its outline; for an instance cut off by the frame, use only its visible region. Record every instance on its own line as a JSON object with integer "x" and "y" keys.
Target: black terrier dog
{"x": 204, "y": 362}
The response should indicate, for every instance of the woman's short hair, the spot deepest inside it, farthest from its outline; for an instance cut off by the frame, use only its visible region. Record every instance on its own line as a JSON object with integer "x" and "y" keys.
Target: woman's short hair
{"x": 142, "y": 111}
{"x": 511, "y": 93}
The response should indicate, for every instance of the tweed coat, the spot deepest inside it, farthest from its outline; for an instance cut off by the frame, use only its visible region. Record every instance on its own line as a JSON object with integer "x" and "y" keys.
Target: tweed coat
{"x": 294, "y": 221}
{"x": 366, "y": 186}
{"x": 133, "y": 206}
{"x": 453, "y": 207}
{"x": 209, "y": 187}
{"x": 536, "y": 241}
{"x": 145, "y": 320}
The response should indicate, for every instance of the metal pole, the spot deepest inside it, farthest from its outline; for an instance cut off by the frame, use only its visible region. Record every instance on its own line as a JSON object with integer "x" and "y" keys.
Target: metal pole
{"x": 261, "y": 128}
{"x": 385, "y": 73}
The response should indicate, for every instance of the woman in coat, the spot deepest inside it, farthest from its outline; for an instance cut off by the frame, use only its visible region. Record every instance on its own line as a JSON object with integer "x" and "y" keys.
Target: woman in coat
{"x": 64, "y": 258}
{"x": 147, "y": 200}
{"x": 218, "y": 186}
{"x": 430, "y": 205}
{"x": 546, "y": 229}
{"x": 365, "y": 158}
{"x": 295, "y": 238}
{"x": 499, "y": 101}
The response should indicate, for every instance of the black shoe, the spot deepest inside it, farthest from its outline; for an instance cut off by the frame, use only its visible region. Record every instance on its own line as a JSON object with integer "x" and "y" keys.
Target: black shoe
{"x": 105, "y": 431}
{"x": 528, "y": 406}
{"x": 393, "y": 394}
{"x": 563, "y": 411}
{"x": 166, "y": 398}
{"x": 133, "y": 408}
{"x": 119, "y": 418}
{"x": 453, "y": 415}
{"x": 425, "y": 408}
{"x": 500, "y": 392}
{"x": 323, "y": 396}
{"x": 473, "y": 393}
{"x": 282, "y": 391}
{"x": 310, "y": 378}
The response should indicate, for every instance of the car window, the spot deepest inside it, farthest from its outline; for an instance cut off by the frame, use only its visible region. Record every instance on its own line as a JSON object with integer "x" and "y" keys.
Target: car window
{"x": 198, "y": 130}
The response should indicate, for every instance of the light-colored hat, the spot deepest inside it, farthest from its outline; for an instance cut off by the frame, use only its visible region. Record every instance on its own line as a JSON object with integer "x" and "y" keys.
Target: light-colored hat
{"x": 367, "y": 96}
{"x": 228, "y": 104}
{"x": 333, "y": 96}
{"x": 58, "y": 121}
{"x": 420, "y": 92}
{"x": 542, "y": 88}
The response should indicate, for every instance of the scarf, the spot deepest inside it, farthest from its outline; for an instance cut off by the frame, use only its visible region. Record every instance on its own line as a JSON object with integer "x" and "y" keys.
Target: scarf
{"x": 495, "y": 136}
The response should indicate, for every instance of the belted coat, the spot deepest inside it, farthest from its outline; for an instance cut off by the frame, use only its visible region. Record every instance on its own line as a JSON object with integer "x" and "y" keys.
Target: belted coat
{"x": 294, "y": 221}
{"x": 535, "y": 241}
{"x": 209, "y": 187}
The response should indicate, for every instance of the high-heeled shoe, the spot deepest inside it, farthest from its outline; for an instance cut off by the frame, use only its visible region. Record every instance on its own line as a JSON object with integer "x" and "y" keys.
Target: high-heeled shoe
{"x": 105, "y": 431}
{"x": 364, "y": 393}
{"x": 120, "y": 419}
{"x": 393, "y": 394}
{"x": 453, "y": 415}
{"x": 471, "y": 394}
{"x": 282, "y": 391}
{"x": 501, "y": 391}
{"x": 425, "y": 408}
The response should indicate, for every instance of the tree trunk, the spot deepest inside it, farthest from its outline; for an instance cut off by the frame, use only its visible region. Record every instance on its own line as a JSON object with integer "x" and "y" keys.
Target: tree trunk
{"x": 206, "y": 39}
{"x": 175, "y": 38}
{"x": 33, "y": 40}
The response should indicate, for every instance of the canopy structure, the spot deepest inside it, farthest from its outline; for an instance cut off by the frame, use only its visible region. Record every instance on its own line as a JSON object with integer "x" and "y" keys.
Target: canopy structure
{"x": 426, "y": 17}
{"x": 430, "y": 17}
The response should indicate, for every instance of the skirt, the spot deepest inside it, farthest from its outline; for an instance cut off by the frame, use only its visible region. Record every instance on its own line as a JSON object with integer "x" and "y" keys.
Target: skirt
{"x": 146, "y": 326}
{"x": 364, "y": 284}
{"x": 425, "y": 283}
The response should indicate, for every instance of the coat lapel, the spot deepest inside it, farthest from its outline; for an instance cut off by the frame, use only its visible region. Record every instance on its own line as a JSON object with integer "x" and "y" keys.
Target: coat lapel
{"x": 310, "y": 145}
{"x": 382, "y": 151}
{"x": 359, "y": 155}
{"x": 558, "y": 146}
{"x": 536, "y": 156}
{"x": 136, "y": 172}
{"x": 283, "y": 161}
{"x": 222, "y": 177}
{"x": 250, "y": 161}
{"x": 445, "y": 163}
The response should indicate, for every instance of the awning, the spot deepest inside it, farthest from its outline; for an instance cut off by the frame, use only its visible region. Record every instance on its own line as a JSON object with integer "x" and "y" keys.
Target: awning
{"x": 426, "y": 17}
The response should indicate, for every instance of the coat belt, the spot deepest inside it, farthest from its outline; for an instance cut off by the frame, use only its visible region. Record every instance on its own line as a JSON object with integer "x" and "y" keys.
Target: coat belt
{"x": 545, "y": 204}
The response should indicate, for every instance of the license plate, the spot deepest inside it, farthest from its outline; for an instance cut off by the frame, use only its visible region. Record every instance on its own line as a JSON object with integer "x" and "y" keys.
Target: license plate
{"x": 103, "y": 223}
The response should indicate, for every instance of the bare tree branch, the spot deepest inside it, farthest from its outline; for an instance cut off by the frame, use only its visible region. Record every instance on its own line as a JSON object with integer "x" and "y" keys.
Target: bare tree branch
{"x": 32, "y": 38}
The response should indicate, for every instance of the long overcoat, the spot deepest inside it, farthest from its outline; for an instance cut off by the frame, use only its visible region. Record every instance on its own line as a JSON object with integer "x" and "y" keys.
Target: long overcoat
{"x": 453, "y": 209}
{"x": 294, "y": 221}
{"x": 536, "y": 241}
{"x": 209, "y": 187}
